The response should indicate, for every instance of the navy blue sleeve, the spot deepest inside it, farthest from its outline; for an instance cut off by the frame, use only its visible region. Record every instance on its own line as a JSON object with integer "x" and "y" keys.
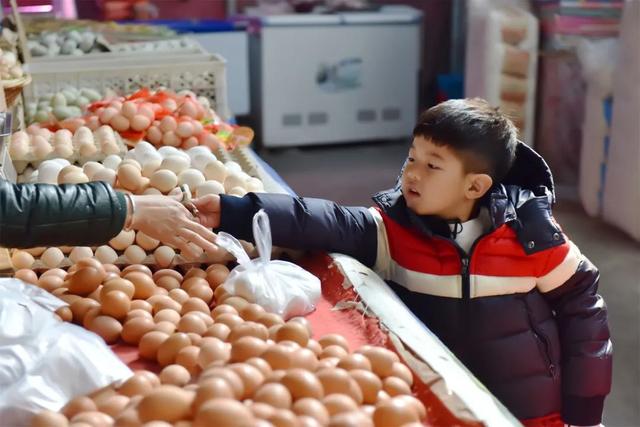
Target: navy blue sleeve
{"x": 304, "y": 223}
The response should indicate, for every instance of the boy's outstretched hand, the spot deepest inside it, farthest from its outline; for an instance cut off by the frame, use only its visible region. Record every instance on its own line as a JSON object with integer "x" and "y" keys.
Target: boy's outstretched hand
{"x": 208, "y": 210}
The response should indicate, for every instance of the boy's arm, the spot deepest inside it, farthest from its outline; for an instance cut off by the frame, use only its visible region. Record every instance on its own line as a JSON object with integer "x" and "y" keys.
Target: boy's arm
{"x": 304, "y": 223}
{"x": 569, "y": 282}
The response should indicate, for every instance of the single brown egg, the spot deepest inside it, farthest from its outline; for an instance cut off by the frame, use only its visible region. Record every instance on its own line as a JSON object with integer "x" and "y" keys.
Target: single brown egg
{"x": 284, "y": 418}
{"x": 273, "y": 394}
{"x": 49, "y": 419}
{"x": 338, "y": 381}
{"x": 261, "y": 364}
{"x": 369, "y": 383}
{"x": 93, "y": 418}
{"x": 164, "y": 326}
{"x": 50, "y": 283}
{"x": 212, "y": 388}
{"x": 169, "y": 349}
{"x": 142, "y": 282}
{"x": 249, "y": 329}
{"x": 217, "y": 277}
{"x": 351, "y": 419}
{"x": 118, "y": 284}
{"x": 233, "y": 379}
{"x": 221, "y": 309}
{"x": 167, "y": 315}
{"x": 188, "y": 358}
{"x": 194, "y": 304}
{"x": 334, "y": 351}
{"x": 107, "y": 327}
{"x": 247, "y": 347}
{"x": 302, "y": 384}
{"x": 167, "y": 282}
{"x": 223, "y": 413}
{"x": 218, "y": 330}
{"x": 165, "y": 403}
{"x": 116, "y": 304}
{"x": 168, "y": 272}
{"x": 203, "y": 292}
{"x": 78, "y": 405}
{"x": 293, "y": 331}
{"x": 237, "y": 302}
{"x": 206, "y": 317}
{"x": 251, "y": 377}
{"x": 334, "y": 339}
{"x": 85, "y": 280}
{"x": 381, "y": 359}
{"x": 138, "y": 313}
{"x": 402, "y": 371}
{"x": 270, "y": 319}
{"x": 175, "y": 375}
{"x": 354, "y": 361}
{"x": 213, "y": 350}
{"x": 65, "y": 314}
{"x": 192, "y": 323}
{"x": 178, "y": 295}
{"x": 80, "y": 308}
{"x": 252, "y": 312}
{"x": 262, "y": 410}
{"x": 313, "y": 408}
{"x": 135, "y": 328}
{"x": 114, "y": 405}
{"x": 394, "y": 412}
{"x": 338, "y": 403}
{"x": 231, "y": 320}
{"x": 279, "y": 357}
{"x": 395, "y": 386}
{"x": 150, "y": 342}
{"x": 26, "y": 275}
{"x": 142, "y": 305}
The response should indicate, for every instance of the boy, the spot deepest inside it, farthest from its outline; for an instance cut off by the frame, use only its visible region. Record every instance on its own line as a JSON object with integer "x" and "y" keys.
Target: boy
{"x": 468, "y": 242}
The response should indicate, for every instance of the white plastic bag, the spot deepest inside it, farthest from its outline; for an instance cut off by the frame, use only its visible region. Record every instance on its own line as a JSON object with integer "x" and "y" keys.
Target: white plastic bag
{"x": 45, "y": 362}
{"x": 280, "y": 287}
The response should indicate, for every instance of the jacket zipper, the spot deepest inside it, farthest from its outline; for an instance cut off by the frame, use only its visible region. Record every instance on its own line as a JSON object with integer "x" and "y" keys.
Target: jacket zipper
{"x": 541, "y": 339}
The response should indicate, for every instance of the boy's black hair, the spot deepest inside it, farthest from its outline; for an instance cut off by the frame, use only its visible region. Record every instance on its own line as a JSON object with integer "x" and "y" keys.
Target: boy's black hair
{"x": 480, "y": 134}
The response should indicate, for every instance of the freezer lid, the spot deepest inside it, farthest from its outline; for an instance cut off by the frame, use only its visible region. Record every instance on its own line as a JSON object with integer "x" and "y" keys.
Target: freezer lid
{"x": 385, "y": 15}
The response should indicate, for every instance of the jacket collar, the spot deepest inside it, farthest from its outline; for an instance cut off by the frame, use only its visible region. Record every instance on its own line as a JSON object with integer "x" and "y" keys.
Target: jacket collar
{"x": 526, "y": 209}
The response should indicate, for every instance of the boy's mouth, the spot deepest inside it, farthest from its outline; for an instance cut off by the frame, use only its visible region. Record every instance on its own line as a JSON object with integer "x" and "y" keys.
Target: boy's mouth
{"x": 413, "y": 192}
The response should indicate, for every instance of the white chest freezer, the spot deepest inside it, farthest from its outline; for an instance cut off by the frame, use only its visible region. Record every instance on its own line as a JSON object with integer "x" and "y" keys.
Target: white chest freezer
{"x": 337, "y": 78}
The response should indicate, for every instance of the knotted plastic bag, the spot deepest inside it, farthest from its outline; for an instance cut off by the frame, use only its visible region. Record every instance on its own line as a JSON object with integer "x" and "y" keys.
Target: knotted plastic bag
{"x": 280, "y": 287}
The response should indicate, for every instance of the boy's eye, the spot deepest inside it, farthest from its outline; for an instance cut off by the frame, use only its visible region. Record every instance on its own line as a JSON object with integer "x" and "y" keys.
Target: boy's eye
{"x": 410, "y": 159}
{"x": 432, "y": 166}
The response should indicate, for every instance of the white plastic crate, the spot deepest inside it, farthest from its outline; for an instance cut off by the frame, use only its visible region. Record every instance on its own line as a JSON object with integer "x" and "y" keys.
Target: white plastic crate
{"x": 205, "y": 75}
{"x": 139, "y": 50}
{"x": 182, "y": 44}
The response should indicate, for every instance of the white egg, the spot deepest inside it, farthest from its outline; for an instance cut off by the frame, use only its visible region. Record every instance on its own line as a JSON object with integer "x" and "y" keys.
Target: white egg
{"x": 62, "y": 136}
{"x": 87, "y": 149}
{"x": 237, "y": 191}
{"x": 106, "y": 255}
{"x": 48, "y": 172}
{"x": 145, "y": 242}
{"x": 63, "y": 150}
{"x": 73, "y": 178}
{"x": 110, "y": 148}
{"x": 123, "y": 240}
{"x": 234, "y": 180}
{"x": 164, "y": 256}
{"x": 135, "y": 254}
{"x": 164, "y": 180}
{"x": 152, "y": 192}
{"x": 52, "y": 257}
{"x": 192, "y": 177}
{"x": 82, "y": 134}
{"x": 202, "y": 160}
{"x": 41, "y": 147}
{"x": 144, "y": 147}
{"x": 255, "y": 185}
{"x": 105, "y": 174}
{"x": 150, "y": 166}
{"x": 167, "y": 151}
{"x": 80, "y": 252}
{"x": 90, "y": 168}
{"x": 19, "y": 149}
{"x": 149, "y": 157}
{"x": 209, "y": 187}
{"x": 196, "y": 151}
{"x": 112, "y": 162}
{"x": 175, "y": 164}
{"x": 215, "y": 170}
{"x": 233, "y": 166}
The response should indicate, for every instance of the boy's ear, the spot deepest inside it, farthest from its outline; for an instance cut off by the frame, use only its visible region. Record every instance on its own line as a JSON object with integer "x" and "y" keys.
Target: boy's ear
{"x": 477, "y": 185}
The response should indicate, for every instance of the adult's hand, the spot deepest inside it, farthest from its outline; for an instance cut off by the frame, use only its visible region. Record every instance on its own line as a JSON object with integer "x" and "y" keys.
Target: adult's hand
{"x": 208, "y": 210}
{"x": 164, "y": 218}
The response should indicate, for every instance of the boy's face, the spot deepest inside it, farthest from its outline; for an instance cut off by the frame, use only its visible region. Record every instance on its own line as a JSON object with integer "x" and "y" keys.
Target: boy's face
{"x": 434, "y": 181}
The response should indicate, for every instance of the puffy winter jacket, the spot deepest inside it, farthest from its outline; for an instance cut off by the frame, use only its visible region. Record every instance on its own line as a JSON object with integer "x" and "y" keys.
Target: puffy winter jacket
{"x": 520, "y": 310}
{"x": 33, "y": 215}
